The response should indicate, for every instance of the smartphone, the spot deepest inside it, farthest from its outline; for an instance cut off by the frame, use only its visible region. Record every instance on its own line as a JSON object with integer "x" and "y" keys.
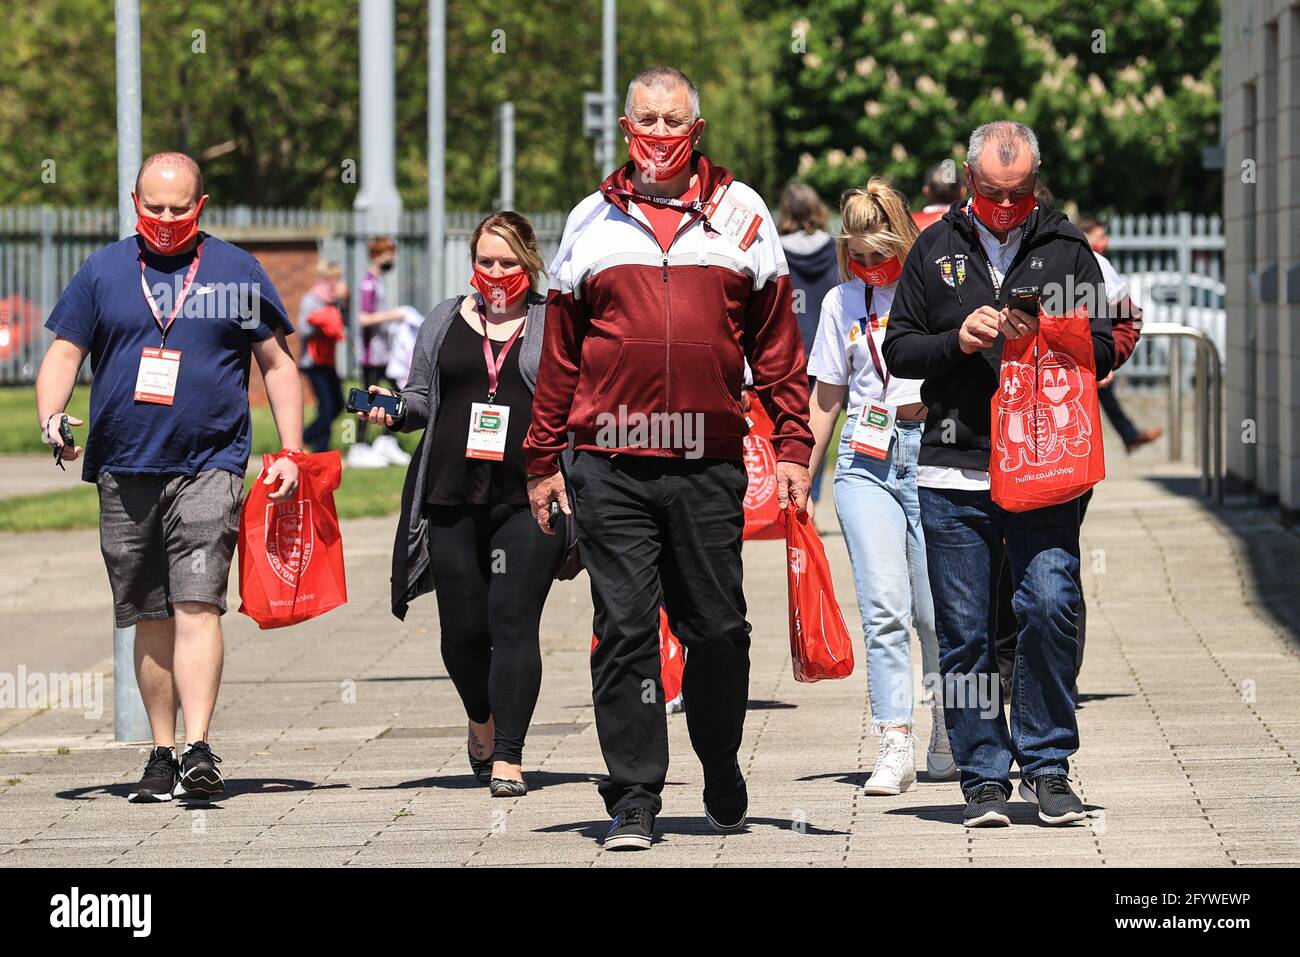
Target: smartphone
{"x": 359, "y": 400}
{"x": 1025, "y": 298}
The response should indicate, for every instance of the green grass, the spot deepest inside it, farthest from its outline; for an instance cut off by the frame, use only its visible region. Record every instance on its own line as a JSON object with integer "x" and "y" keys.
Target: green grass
{"x": 362, "y": 493}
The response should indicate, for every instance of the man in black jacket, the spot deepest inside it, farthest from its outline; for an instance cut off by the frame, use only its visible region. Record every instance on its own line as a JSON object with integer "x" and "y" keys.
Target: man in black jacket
{"x": 947, "y": 325}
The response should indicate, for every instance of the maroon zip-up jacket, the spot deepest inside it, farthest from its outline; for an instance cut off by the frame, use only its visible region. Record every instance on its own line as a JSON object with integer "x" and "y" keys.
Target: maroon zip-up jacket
{"x": 633, "y": 330}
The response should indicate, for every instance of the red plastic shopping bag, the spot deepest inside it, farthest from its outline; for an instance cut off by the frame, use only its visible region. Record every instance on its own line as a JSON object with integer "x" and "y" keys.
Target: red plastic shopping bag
{"x": 820, "y": 645}
{"x": 672, "y": 658}
{"x": 762, "y": 513}
{"x": 291, "y": 553}
{"x": 1045, "y": 441}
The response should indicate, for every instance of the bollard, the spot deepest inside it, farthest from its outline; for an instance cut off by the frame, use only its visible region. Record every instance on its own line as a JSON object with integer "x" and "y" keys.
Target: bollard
{"x": 130, "y": 722}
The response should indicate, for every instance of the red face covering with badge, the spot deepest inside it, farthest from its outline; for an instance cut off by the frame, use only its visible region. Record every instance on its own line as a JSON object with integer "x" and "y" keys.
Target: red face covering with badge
{"x": 168, "y": 236}
{"x": 884, "y": 273}
{"x": 1002, "y": 217}
{"x": 659, "y": 157}
{"x": 500, "y": 291}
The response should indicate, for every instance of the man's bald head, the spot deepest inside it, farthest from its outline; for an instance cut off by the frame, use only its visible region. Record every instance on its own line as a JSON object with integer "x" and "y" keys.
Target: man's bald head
{"x": 163, "y": 176}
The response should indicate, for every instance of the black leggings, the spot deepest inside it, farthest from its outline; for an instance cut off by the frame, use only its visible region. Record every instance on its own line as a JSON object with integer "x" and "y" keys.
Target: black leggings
{"x": 493, "y": 568}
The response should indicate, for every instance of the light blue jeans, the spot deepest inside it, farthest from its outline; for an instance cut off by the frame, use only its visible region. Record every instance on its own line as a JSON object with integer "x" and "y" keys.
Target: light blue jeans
{"x": 880, "y": 515}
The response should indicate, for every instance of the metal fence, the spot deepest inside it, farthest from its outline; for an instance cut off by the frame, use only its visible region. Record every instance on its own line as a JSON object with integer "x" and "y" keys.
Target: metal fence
{"x": 1174, "y": 267}
{"x": 1174, "y": 264}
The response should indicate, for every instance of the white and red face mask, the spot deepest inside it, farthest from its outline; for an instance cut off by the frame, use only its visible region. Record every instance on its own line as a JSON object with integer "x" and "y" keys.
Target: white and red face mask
{"x": 1001, "y": 218}
{"x": 884, "y": 273}
{"x": 168, "y": 236}
{"x": 500, "y": 291}
{"x": 659, "y": 157}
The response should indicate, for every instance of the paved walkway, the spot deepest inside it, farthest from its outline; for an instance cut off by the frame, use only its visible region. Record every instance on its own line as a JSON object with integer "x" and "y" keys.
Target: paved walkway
{"x": 343, "y": 740}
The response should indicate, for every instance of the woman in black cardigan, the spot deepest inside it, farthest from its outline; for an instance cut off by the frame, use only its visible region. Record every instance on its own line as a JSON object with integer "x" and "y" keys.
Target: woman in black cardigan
{"x": 465, "y": 520}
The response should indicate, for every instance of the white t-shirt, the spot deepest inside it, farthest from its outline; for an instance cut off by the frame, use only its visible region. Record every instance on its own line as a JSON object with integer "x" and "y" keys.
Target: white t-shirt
{"x": 841, "y": 355}
{"x": 1116, "y": 285}
{"x": 1000, "y": 255}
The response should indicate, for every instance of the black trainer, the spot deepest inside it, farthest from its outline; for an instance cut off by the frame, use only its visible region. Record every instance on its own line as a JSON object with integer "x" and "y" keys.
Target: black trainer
{"x": 1056, "y": 800}
{"x": 725, "y": 805}
{"x": 987, "y": 807}
{"x": 199, "y": 775}
{"x": 161, "y": 772}
{"x": 631, "y": 830}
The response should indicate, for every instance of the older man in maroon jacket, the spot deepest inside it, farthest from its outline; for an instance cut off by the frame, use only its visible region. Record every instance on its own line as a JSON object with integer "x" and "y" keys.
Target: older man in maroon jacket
{"x": 668, "y": 279}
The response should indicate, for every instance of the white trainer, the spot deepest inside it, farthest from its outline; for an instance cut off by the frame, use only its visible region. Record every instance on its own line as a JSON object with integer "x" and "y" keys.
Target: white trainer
{"x": 939, "y": 764}
{"x": 895, "y": 766}
{"x": 362, "y": 456}
{"x": 387, "y": 447}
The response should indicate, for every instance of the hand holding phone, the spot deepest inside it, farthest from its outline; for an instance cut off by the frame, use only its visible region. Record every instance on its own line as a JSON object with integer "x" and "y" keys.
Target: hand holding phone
{"x": 376, "y": 405}
{"x": 1024, "y": 300}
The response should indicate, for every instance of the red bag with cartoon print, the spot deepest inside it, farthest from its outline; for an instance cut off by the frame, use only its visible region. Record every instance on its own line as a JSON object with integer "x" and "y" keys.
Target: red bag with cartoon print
{"x": 1045, "y": 439}
{"x": 820, "y": 644}
{"x": 762, "y": 513}
{"x": 291, "y": 553}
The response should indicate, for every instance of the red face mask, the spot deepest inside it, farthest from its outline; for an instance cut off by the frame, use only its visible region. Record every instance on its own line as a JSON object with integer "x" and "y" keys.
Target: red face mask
{"x": 659, "y": 157}
{"x": 167, "y": 236}
{"x": 1002, "y": 217}
{"x": 1100, "y": 246}
{"x": 500, "y": 291}
{"x": 881, "y": 274}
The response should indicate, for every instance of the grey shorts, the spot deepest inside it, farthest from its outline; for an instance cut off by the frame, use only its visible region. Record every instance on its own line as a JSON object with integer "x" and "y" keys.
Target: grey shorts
{"x": 167, "y": 539}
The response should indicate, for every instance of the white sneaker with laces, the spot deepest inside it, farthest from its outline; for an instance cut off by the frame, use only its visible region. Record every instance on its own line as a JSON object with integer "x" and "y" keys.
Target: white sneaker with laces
{"x": 362, "y": 456}
{"x": 895, "y": 766}
{"x": 387, "y": 447}
{"x": 939, "y": 764}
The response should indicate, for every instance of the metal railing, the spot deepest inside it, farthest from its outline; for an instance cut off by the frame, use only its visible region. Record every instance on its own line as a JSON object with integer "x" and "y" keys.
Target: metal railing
{"x": 1209, "y": 401}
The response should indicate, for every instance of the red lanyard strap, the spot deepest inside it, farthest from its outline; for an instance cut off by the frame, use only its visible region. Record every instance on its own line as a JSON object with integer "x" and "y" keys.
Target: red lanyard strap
{"x": 881, "y": 374}
{"x": 180, "y": 300}
{"x": 494, "y": 366}
{"x": 695, "y": 209}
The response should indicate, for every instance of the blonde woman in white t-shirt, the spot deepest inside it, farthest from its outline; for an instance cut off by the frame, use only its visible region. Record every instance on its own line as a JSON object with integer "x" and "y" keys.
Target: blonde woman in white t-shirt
{"x": 875, "y": 477}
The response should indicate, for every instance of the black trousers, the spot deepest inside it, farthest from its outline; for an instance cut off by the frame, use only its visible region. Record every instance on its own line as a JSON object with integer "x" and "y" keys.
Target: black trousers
{"x": 652, "y": 531}
{"x": 493, "y": 568}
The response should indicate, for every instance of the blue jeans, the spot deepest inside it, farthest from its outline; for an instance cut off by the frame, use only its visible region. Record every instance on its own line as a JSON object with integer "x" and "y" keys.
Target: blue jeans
{"x": 881, "y": 519}
{"x": 964, "y": 537}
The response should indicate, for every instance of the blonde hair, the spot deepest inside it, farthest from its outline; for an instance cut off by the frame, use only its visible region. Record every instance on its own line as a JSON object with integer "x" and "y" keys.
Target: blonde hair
{"x": 518, "y": 233}
{"x": 327, "y": 269}
{"x": 876, "y": 214}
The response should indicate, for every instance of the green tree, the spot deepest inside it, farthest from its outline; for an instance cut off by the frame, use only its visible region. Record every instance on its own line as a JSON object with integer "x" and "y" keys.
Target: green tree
{"x": 1123, "y": 94}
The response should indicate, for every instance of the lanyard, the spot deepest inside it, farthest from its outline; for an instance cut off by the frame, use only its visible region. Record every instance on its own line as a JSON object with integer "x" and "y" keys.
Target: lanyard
{"x": 870, "y": 323}
{"x": 695, "y": 209}
{"x": 494, "y": 366}
{"x": 180, "y": 300}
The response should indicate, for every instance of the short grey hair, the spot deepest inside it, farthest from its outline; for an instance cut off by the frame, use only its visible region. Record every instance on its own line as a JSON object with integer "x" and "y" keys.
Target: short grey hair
{"x": 1008, "y": 136}
{"x": 663, "y": 78}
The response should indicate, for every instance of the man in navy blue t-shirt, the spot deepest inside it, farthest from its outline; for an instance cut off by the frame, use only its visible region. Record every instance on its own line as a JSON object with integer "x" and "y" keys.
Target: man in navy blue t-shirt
{"x": 171, "y": 319}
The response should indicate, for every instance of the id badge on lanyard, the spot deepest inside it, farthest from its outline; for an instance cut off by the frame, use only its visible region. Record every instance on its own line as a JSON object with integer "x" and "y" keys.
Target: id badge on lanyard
{"x": 489, "y": 422}
{"x": 875, "y": 426}
{"x": 160, "y": 368}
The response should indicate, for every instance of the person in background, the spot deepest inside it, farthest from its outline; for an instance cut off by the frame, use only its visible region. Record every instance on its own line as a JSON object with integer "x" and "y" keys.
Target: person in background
{"x": 875, "y": 486}
{"x": 466, "y": 526}
{"x": 321, "y": 328}
{"x": 810, "y": 252}
{"x": 373, "y": 319}
{"x": 941, "y": 189}
{"x": 1118, "y": 294}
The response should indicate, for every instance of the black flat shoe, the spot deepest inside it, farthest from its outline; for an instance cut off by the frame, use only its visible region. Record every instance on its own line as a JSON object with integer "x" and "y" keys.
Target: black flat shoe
{"x": 502, "y": 788}
{"x": 482, "y": 769}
